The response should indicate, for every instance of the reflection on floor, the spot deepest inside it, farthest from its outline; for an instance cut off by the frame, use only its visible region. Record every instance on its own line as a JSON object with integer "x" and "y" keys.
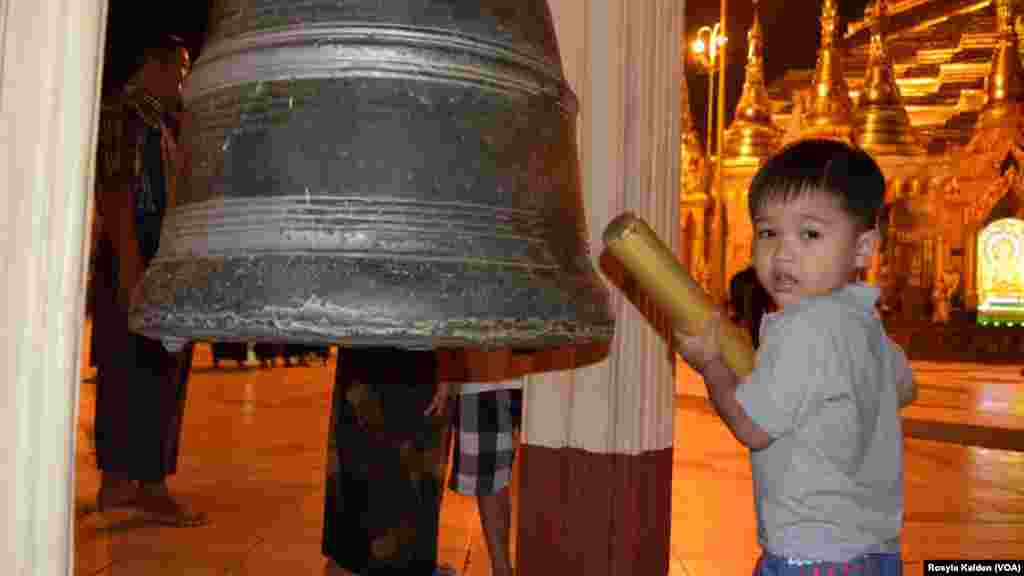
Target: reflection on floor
{"x": 253, "y": 459}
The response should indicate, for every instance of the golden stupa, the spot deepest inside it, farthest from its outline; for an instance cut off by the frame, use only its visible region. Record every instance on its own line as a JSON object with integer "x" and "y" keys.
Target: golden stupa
{"x": 881, "y": 124}
{"x": 828, "y": 112}
{"x": 753, "y": 136}
{"x": 939, "y": 93}
{"x": 1003, "y": 88}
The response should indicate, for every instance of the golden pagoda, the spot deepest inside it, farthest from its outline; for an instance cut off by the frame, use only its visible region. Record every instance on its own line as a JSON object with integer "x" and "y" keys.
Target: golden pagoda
{"x": 939, "y": 92}
{"x": 881, "y": 124}
{"x": 753, "y": 136}
{"x": 828, "y": 109}
{"x": 1004, "y": 84}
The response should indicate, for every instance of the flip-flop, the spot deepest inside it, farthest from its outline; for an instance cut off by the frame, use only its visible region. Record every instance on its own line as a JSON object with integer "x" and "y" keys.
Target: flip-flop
{"x": 175, "y": 516}
{"x": 106, "y": 500}
{"x": 181, "y": 518}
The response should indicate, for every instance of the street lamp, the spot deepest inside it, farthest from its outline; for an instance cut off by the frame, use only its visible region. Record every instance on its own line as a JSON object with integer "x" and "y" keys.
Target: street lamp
{"x": 706, "y": 49}
{"x": 709, "y": 50}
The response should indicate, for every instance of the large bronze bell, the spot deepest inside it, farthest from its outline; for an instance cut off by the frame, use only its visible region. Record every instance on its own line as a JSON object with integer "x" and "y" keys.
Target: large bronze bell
{"x": 378, "y": 173}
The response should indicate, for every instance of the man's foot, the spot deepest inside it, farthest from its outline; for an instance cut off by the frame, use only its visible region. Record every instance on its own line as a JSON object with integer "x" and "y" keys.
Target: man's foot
{"x": 159, "y": 506}
{"x": 332, "y": 569}
{"x": 115, "y": 493}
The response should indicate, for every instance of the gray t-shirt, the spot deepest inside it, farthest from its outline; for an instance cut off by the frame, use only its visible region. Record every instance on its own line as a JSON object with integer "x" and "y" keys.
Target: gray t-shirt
{"x": 830, "y": 486}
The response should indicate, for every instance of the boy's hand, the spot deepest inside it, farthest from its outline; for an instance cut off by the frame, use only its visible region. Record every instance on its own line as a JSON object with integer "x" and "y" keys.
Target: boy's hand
{"x": 440, "y": 399}
{"x": 701, "y": 350}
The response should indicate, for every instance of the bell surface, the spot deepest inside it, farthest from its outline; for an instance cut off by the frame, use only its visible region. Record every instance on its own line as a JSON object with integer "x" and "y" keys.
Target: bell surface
{"x": 378, "y": 173}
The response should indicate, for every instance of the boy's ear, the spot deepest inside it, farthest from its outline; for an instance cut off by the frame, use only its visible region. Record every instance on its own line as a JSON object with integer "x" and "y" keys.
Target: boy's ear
{"x": 866, "y": 244}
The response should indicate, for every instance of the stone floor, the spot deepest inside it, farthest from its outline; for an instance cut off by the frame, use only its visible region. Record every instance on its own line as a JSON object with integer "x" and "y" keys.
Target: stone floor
{"x": 253, "y": 459}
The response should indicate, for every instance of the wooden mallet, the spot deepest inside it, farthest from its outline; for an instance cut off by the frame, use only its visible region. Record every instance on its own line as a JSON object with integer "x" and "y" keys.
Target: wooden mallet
{"x": 660, "y": 275}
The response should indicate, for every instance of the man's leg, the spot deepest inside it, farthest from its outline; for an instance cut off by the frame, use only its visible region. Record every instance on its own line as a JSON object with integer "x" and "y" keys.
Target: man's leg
{"x": 117, "y": 488}
{"x": 140, "y": 401}
{"x": 154, "y": 496}
{"x": 496, "y": 520}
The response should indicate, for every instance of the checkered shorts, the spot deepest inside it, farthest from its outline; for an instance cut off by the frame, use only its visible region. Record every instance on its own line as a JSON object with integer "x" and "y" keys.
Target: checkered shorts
{"x": 485, "y": 424}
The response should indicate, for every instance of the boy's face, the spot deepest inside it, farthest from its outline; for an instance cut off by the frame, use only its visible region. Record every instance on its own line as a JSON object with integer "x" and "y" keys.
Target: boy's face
{"x": 807, "y": 246}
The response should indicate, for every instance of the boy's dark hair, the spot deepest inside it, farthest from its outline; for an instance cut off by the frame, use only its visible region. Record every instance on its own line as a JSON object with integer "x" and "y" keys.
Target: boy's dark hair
{"x": 829, "y": 166}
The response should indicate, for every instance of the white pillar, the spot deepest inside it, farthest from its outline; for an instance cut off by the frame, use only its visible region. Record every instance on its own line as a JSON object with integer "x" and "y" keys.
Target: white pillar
{"x": 51, "y": 54}
{"x": 622, "y": 59}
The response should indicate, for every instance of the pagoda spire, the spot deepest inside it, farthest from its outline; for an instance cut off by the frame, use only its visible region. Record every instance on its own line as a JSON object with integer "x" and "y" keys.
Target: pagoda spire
{"x": 1004, "y": 87}
{"x": 829, "y": 108}
{"x": 881, "y": 124}
{"x": 753, "y": 135}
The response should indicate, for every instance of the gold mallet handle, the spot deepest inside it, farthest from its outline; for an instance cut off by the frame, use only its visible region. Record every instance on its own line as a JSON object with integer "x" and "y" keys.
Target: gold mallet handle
{"x": 660, "y": 275}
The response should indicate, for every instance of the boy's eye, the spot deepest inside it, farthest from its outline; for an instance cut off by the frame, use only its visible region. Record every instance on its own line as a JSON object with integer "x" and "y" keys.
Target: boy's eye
{"x": 765, "y": 233}
{"x": 810, "y": 234}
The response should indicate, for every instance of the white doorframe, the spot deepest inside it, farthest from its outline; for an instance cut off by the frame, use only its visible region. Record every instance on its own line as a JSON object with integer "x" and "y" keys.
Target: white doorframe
{"x": 51, "y": 58}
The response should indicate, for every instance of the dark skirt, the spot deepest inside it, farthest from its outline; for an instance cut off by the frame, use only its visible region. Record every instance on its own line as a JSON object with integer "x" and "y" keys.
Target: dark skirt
{"x": 386, "y": 463}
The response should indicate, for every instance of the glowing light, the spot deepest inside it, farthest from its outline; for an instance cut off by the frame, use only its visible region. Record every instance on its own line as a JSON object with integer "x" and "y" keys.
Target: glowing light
{"x": 1001, "y": 272}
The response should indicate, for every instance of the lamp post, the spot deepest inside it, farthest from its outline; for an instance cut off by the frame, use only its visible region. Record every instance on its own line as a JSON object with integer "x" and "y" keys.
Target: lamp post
{"x": 709, "y": 51}
{"x": 705, "y": 50}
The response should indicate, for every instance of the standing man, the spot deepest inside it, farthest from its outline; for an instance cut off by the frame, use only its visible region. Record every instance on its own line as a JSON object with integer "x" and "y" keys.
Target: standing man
{"x": 140, "y": 386}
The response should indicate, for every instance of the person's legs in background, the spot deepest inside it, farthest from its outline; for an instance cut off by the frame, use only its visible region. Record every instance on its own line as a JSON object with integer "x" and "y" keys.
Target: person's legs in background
{"x": 140, "y": 404}
{"x": 386, "y": 464}
{"x": 485, "y": 424}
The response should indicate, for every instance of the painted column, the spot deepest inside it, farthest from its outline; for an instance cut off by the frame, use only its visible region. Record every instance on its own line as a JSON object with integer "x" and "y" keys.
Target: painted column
{"x": 596, "y": 461}
{"x": 50, "y": 60}
{"x": 700, "y": 233}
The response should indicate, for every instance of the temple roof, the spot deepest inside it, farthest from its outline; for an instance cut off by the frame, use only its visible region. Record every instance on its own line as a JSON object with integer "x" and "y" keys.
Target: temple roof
{"x": 941, "y": 53}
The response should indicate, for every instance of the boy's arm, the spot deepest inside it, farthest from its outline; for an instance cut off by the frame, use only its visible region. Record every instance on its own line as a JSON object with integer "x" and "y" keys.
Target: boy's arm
{"x": 907, "y": 390}
{"x": 907, "y": 386}
{"x": 449, "y": 370}
{"x": 702, "y": 353}
{"x": 721, "y": 383}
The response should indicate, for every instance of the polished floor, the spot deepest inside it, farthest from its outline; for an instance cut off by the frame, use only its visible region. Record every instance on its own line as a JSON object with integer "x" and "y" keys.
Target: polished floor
{"x": 253, "y": 459}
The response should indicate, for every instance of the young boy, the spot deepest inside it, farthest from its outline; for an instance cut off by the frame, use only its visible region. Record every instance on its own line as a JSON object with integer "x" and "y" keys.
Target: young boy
{"x": 820, "y": 410}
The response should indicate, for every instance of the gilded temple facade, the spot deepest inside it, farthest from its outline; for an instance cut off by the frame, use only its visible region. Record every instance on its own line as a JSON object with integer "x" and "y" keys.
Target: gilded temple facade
{"x": 933, "y": 89}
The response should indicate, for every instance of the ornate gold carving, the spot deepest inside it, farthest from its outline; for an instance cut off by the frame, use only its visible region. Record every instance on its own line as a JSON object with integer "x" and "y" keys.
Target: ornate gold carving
{"x": 982, "y": 204}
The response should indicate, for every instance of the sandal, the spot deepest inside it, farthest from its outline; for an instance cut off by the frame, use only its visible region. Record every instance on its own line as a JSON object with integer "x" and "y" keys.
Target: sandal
{"x": 116, "y": 494}
{"x": 159, "y": 507}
